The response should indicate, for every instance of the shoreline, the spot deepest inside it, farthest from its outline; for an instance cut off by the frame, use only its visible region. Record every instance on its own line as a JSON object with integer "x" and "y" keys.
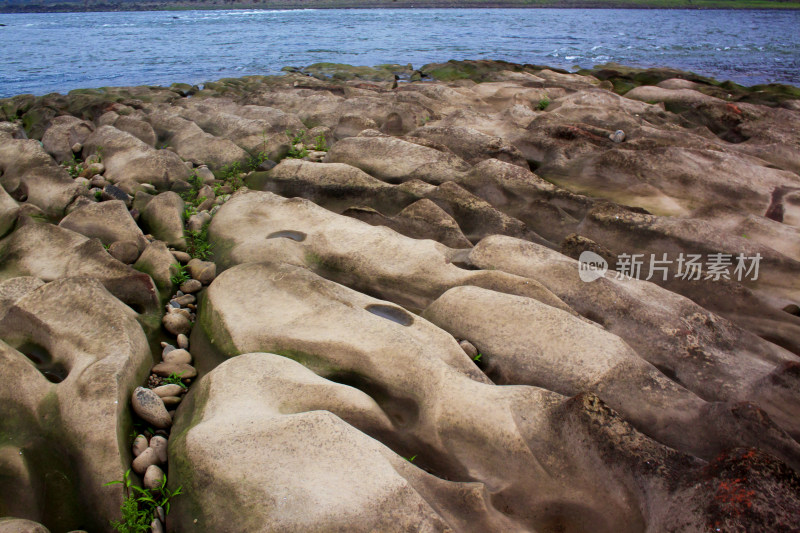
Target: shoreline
{"x": 329, "y": 71}
{"x": 704, "y": 5}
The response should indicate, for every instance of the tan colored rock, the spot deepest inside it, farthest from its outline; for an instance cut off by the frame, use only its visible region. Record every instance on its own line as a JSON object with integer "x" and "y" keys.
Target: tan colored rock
{"x": 152, "y": 477}
{"x": 253, "y": 227}
{"x": 30, "y": 175}
{"x": 139, "y": 445}
{"x": 651, "y": 320}
{"x": 157, "y": 262}
{"x": 65, "y": 398}
{"x": 128, "y": 158}
{"x": 64, "y": 132}
{"x": 124, "y": 251}
{"x": 20, "y": 525}
{"x": 169, "y": 390}
{"x": 192, "y": 143}
{"x": 159, "y": 444}
{"x": 163, "y": 218}
{"x": 176, "y": 323}
{"x": 178, "y": 356}
{"x": 394, "y": 161}
{"x": 148, "y": 405}
{"x": 202, "y": 271}
{"x": 108, "y": 221}
{"x": 145, "y": 460}
{"x": 166, "y": 369}
{"x": 430, "y": 393}
{"x": 11, "y": 290}
{"x": 50, "y": 252}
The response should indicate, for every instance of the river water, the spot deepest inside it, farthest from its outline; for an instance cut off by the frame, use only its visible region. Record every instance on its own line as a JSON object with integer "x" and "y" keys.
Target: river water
{"x": 57, "y": 52}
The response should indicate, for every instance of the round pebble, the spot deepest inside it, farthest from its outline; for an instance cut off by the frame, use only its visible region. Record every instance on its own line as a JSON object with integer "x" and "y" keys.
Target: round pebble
{"x": 170, "y": 389}
{"x": 179, "y": 356}
{"x": 152, "y": 477}
{"x": 618, "y": 136}
{"x": 176, "y": 323}
{"x": 191, "y": 286}
{"x": 159, "y": 444}
{"x": 149, "y": 406}
{"x": 183, "y": 342}
{"x": 146, "y": 459}
{"x": 139, "y": 445}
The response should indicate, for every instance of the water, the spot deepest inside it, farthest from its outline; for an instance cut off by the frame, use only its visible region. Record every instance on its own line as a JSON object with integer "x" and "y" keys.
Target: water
{"x": 57, "y": 52}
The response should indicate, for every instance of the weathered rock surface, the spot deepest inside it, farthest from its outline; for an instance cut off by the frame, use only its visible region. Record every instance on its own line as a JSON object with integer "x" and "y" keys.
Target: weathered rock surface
{"x": 128, "y": 158}
{"x": 65, "y": 401}
{"x": 395, "y": 325}
{"x": 108, "y": 221}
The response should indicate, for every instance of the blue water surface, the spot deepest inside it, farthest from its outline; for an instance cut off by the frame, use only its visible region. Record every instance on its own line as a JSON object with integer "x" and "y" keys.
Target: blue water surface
{"x": 57, "y": 52}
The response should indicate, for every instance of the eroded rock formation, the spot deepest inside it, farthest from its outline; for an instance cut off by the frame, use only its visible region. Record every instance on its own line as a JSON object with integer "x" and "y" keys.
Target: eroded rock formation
{"x": 377, "y": 296}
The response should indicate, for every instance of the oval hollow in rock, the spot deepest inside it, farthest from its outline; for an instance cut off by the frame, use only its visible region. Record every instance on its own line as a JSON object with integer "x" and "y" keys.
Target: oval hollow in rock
{"x": 298, "y": 236}
{"x": 395, "y": 314}
{"x": 54, "y": 371}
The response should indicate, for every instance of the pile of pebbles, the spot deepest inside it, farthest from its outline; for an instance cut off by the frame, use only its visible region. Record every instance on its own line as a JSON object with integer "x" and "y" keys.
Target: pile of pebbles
{"x": 169, "y": 380}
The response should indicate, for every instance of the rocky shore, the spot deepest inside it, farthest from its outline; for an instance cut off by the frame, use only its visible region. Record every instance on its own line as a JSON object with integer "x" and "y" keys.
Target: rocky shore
{"x": 475, "y": 296}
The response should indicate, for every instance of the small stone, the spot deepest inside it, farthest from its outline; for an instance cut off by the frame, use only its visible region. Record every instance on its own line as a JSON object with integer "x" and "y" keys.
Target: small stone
{"x": 82, "y": 181}
{"x": 182, "y": 257}
{"x": 156, "y": 526}
{"x": 98, "y": 181}
{"x": 196, "y": 222}
{"x": 139, "y": 445}
{"x": 165, "y": 369}
{"x": 171, "y": 401}
{"x": 170, "y": 389}
{"x": 77, "y": 148}
{"x": 124, "y": 251}
{"x": 145, "y": 460}
{"x": 166, "y": 349}
{"x": 202, "y": 271}
{"x": 179, "y": 356}
{"x": 191, "y": 286}
{"x": 469, "y": 349}
{"x": 176, "y": 323}
{"x": 204, "y": 174}
{"x": 186, "y": 299}
{"x": 159, "y": 444}
{"x": 161, "y": 514}
{"x": 148, "y": 405}
{"x": 172, "y": 310}
{"x": 175, "y": 304}
{"x": 183, "y": 341}
{"x": 152, "y": 477}
{"x": 112, "y": 192}
{"x": 205, "y": 205}
{"x": 266, "y": 165}
{"x": 189, "y": 164}
{"x": 618, "y": 136}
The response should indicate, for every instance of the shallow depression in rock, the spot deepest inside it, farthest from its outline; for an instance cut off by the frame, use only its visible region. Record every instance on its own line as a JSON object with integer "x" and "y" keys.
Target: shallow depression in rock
{"x": 298, "y": 236}
{"x": 395, "y": 314}
{"x": 54, "y": 371}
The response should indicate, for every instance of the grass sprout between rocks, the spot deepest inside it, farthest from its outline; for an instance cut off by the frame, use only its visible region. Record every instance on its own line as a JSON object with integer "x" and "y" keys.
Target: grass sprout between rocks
{"x": 140, "y": 505}
{"x": 181, "y": 276}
